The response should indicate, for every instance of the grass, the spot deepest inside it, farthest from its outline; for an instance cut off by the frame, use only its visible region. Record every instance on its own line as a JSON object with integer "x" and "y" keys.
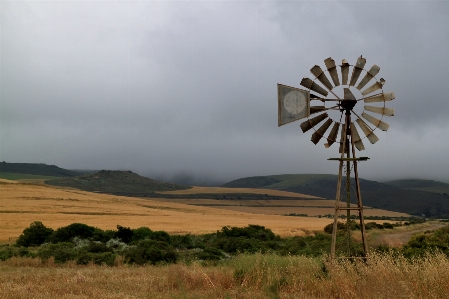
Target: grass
{"x": 245, "y": 276}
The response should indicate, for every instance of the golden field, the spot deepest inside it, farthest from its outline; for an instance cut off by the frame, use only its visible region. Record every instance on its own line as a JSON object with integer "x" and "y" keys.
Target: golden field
{"x": 21, "y": 204}
{"x": 243, "y": 277}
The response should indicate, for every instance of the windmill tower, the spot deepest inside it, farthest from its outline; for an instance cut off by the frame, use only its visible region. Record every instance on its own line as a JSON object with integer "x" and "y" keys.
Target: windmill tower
{"x": 295, "y": 104}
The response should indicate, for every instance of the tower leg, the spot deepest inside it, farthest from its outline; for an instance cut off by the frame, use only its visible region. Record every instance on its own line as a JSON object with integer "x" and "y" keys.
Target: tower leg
{"x": 359, "y": 200}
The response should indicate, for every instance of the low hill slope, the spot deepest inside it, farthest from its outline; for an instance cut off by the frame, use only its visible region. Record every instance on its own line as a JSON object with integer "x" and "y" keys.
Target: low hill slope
{"x": 422, "y": 185}
{"x": 374, "y": 194}
{"x": 36, "y": 169}
{"x": 115, "y": 182}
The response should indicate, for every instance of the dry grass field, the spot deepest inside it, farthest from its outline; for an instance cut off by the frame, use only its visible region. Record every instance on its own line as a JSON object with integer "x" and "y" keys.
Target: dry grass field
{"x": 243, "y": 277}
{"x": 21, "y": 204}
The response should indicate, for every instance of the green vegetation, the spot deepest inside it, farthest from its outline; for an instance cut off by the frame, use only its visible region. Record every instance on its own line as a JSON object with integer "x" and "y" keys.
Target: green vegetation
{"x": 86, "y": 244}
{"x": 116, "y": 182}
{"x": 391, "y": 196}
{"x": 422, "y": 185}
{"x": 38, "y": 169}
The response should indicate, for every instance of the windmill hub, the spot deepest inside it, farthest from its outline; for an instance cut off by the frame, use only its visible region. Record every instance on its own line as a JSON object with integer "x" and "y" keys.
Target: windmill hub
{"x": 347, "y": 104}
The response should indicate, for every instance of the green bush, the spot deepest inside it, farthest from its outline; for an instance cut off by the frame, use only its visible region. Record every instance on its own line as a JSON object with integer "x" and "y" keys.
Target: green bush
{"x": 96, "y": 247}
{"x": 6, "y": 254}
{"x": 141, "y": 233}
{"x": 211, "y": 254}
{"x": 124, "y": 233}
{"x": 62, "y": 252}
{"x": 151, "y": 251}
{"x": 35, "y": 235}
{"x": 67, "y": 233}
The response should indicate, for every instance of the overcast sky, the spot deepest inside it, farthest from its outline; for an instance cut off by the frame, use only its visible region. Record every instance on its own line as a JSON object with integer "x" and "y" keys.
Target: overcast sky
{"x": 187, "y": 89}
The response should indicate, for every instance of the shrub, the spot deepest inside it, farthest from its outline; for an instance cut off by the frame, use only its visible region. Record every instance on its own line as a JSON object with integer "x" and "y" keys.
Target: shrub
{"x": 97, "y": 247}
{"x": 35, "y": 235}
{"x": 67, "y": 233}
{"x": 62, "y": 252}
{"x": 341, "y": 226}
{"x": 388, "y": 225}
{"x": 211, "y": 254}
{"x": 151, "y": 251}
{"x": 6, "y": 254}
{"x": 141, "y": 233}
{"x": 124, "y": 233}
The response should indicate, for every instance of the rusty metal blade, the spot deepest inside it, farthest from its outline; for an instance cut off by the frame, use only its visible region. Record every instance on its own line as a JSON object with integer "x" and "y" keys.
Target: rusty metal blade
{"x": 310, "y": 123}
{"x": 332, "y": 69}
{"x": 377, "y": 122}
{"x": 320, "y": 132}
{"x": 308, "y": 83}
{"x": 344, "y": 71}
{"x": 380, "y": 110}
{"x": 383, "y": 97}
{"x": 348, "y": 94}
{"x": 369, "y": 75}
{"x": 316, "y": 109}
{"x": 357, "y": 140}
{"x": 367, "y": 131}
{"x": 357, "y": 69}
{"x": 332, "y": 135}
{"x": 374, "y": 87}
{"x": 321, "y": 76}
{"x": 342, "y": 138}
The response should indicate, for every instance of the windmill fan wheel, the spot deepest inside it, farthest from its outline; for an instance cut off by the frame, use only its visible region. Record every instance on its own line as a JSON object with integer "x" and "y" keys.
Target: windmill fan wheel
{"x": 373, "y": 96}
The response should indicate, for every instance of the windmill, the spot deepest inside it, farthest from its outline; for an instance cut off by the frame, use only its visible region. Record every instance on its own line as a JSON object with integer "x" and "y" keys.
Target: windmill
{"x": 295, "y": 104}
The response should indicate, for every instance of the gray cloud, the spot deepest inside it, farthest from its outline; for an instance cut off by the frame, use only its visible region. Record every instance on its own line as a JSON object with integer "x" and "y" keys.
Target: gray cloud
{"x": 187, "y": 90}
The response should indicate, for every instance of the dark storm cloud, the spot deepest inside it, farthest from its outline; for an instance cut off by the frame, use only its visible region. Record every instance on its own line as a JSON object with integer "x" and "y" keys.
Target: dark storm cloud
{"x": 187, "y": 90}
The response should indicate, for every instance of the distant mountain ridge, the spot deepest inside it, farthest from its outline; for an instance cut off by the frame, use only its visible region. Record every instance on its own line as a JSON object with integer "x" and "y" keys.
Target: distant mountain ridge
{"x": 36, "y": 169}
{"x": 374, "y": 194}
{"x": 115, "y": 182}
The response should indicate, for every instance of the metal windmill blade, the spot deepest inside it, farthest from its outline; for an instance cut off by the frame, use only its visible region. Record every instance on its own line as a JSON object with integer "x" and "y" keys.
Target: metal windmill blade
{"x": 332, "y": 69}
{"x": 380, "y": 110}
{"x": 310, "y": 123}
{"x": 320, "y": 132}
{"x": 374, "y": 87}
{"x": 376, "y": 122}
{"x": 332, "y": 138}
{"x": 321, "y": 76}
{"x": 367, "y": 131}
{"x": 357, "y": 140}
{"x": 308, "y": 83}
{"x": 369, "y": 75}
{"x": 357, "y": 70}
{"x": 382, "y": 97}
{"x": 344, "y": 71}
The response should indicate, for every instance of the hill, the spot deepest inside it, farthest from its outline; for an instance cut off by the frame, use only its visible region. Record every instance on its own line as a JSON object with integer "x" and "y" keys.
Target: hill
{"x": 422, "y": 185}
{"x": 39, "y": 169}
{"x": 115, "y": 182}
{"x": 374, "y": 194}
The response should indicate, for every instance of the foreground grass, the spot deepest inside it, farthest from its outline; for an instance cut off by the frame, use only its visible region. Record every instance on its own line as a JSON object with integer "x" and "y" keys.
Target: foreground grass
{"x": 245, "y": 276}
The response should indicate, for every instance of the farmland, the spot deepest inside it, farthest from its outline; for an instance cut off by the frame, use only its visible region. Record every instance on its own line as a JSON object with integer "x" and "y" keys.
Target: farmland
{"x": 21, "y": 204}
